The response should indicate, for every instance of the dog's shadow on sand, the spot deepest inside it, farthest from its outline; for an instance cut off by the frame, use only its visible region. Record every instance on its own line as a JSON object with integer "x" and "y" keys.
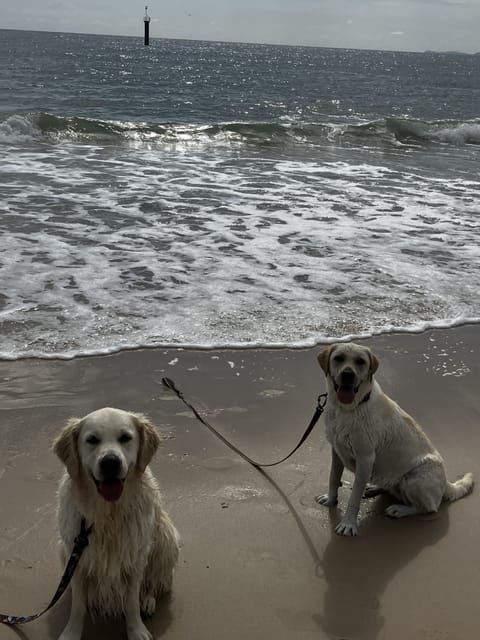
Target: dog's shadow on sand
{"x": 357, "y": 571}
{"x": 113, "y": 629}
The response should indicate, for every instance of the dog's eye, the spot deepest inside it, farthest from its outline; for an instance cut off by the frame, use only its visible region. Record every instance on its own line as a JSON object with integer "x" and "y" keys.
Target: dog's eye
{"x": 125, "y": 437}
{"x": 338, "y": 359}
{"x": 92, "y": 439}
{"x": 360, "y": 362}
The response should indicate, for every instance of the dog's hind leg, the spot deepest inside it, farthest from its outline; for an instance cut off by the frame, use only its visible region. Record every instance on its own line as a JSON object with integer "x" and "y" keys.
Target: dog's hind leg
{"x": 402, "y": 510}
{"x": 421, "y": 490}
{"x": 148, "y": 604}
{"x": 148, "y": 595}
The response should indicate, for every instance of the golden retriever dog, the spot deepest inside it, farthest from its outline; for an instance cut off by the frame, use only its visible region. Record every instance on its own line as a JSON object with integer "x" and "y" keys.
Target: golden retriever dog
{"x": 133, "y": 546}
{"x": 379, "y": 442}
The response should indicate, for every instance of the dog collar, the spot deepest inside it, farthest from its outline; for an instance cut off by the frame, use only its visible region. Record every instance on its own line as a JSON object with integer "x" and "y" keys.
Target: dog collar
{"x": 365, "y": 398}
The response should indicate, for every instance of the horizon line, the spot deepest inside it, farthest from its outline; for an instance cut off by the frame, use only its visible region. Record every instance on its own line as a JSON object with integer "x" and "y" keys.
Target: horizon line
{"x": 271, "y": 44}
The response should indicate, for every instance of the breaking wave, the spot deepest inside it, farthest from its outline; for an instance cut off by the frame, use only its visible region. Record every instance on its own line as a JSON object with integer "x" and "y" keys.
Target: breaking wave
{"x": 22, "y": 128}
{"x": 445, "y": 131}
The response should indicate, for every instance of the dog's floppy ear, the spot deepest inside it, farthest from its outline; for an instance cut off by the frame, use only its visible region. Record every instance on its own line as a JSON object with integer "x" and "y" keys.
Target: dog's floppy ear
{"x": 324, "y": 359}
{"x": 148, "y": 438}
{"x": 65, "y": 446}
{"x": 373, "y": 363}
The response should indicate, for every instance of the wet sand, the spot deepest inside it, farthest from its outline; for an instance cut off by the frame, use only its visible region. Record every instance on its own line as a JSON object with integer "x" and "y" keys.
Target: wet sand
{"x": 259, "y": 558}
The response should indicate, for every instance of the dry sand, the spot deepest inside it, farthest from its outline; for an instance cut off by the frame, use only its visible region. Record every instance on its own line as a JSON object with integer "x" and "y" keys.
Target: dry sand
{"x": 259, "y": 558}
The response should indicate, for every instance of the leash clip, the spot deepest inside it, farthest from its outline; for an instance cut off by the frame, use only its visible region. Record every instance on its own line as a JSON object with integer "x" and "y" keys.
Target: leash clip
{"x": 169, "y": 384}
{"x": 81, "y": 540}
{"x": 321, "y": 402}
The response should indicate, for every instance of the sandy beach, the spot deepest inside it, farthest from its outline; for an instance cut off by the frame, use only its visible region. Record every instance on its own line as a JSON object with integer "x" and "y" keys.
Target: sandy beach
{"x": 259, "y": 557}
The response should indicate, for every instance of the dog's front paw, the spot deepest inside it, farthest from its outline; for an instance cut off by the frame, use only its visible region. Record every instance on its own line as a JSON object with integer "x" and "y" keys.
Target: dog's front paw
{"x": 139, "y": 633}
{"x": 347, "y": 529}
{"x": 326, "y": 501}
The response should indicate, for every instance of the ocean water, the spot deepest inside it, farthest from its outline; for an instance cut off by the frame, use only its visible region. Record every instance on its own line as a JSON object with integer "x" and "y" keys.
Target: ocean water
{"x": 215, "y": 194}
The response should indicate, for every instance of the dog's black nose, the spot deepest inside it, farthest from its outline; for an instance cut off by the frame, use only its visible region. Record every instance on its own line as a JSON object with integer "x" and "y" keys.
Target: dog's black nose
{"x": 110, "y": 466}
{"x": 348, "y": 376}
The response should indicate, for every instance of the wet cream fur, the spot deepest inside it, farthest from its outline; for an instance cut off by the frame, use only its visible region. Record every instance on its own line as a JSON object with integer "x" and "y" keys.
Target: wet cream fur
{"x": 134, "y": 546}
{"x": 379, "y": 442}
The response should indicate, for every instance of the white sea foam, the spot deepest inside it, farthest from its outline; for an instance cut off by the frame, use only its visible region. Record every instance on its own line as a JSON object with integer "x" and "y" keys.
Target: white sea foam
{"x": 17, "y": 129}
{"x": 112, "y": 249}
{"x": 464, "y": 133}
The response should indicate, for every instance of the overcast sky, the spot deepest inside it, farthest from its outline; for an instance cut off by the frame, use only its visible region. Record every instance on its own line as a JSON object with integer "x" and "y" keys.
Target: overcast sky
{"x": 412, "y": 25}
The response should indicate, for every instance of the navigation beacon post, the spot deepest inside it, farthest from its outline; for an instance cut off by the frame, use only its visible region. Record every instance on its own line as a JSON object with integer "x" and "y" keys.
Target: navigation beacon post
{"x": 146, "y": 22}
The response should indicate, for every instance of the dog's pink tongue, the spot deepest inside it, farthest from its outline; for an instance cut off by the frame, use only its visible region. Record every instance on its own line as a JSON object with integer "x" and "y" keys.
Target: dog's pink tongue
{"x": 346, "y": 395}
{"x": 110, "y": 491}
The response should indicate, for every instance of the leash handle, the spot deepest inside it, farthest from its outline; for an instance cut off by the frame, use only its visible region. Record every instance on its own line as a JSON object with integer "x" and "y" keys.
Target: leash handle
{"x": 321, "y": 402}
{"x": 79, "y": 545}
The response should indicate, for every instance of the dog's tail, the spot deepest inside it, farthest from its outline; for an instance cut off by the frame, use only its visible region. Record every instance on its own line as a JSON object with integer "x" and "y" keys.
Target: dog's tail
{"x": 460, "y": 488}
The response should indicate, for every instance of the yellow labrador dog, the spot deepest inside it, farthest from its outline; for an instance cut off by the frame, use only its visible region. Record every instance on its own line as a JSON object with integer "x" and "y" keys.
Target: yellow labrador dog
{"x": 133, "y": 547}
{"x": 380, "y": 443}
